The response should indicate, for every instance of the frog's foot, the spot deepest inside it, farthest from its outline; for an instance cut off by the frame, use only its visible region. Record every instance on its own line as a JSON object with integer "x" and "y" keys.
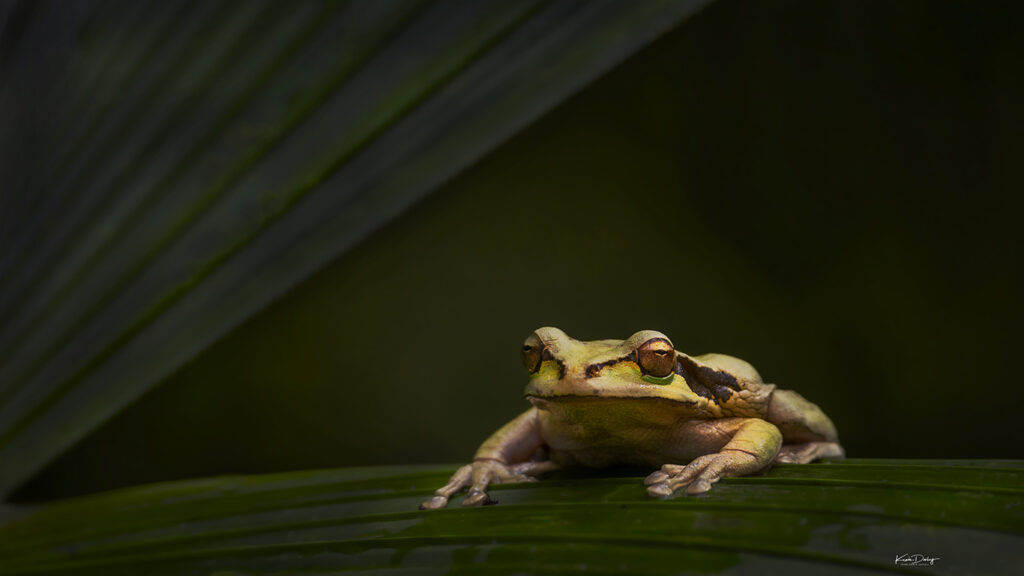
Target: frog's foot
{"x": 700, "y": 474}
{"x": 808, "y": 452}
{"x": 479, "y": 475}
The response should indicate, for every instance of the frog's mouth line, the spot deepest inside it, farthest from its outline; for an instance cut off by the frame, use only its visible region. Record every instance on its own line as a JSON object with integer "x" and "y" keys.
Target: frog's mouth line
{"x": 594, "y": 398}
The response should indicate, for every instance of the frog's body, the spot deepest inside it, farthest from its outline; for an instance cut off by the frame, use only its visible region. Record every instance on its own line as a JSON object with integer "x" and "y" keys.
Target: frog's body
{"x": 640, "y": 402}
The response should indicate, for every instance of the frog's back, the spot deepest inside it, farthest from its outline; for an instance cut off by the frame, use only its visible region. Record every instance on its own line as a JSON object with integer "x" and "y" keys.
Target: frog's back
{"x": 740, "y": 369}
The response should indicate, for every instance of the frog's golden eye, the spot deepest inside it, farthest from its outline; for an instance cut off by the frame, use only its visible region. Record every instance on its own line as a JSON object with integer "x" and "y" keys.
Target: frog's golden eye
{"x": 533, "y": 353}
{"x": 656, "y": 357}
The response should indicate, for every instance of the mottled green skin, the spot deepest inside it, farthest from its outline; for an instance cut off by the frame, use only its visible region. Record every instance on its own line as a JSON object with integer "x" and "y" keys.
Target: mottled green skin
{"x": 593, "y": 405}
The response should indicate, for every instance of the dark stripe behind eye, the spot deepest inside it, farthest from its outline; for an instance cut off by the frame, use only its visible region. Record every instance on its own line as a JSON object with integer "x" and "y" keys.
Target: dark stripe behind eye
{"x": 705, "y": 381}
{"x": 595, "y": 369}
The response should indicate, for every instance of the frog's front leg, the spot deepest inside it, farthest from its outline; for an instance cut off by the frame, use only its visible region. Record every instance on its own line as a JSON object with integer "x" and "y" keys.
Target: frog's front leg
{"x": 752, "y": 447}
{"x": 504, "y": 457}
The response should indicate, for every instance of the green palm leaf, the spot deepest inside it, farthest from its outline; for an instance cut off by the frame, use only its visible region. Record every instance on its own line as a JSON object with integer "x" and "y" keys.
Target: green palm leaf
{"x": 850, "y": 517}
{"x": 215, "y": 154}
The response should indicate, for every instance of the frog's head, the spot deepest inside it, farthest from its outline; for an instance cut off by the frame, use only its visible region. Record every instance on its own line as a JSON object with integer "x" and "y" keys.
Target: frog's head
{"x": 645, "y": 365}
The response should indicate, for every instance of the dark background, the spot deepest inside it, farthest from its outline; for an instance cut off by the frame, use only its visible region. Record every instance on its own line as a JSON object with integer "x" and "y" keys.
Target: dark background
{"x": 824, "y": 189}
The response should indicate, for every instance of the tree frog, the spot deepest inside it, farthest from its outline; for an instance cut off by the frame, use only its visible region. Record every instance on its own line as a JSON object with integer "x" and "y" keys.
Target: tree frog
{"x": 641, "y": 402}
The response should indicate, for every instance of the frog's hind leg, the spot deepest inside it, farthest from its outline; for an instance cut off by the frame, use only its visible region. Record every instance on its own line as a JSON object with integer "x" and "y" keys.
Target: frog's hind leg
{"x": 807, "y": 433}
{"x": 808, "y": 452}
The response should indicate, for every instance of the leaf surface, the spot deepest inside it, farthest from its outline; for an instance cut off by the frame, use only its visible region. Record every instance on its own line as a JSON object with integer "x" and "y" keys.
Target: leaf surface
{"x": 849, "y": 517}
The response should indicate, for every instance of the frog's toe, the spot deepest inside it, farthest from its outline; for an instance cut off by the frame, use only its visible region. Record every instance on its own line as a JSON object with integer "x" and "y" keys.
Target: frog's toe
{"x": 659, "y": 490}
{"x": 666, "y": 472}
{"x": 658, "y": 477}
{"x": 701, "y": 484}
{"x": 458, "y": 481}
{"x": 478, "y": 498}
{"x": 434, "y": 503}
{"x": 699, "y": 474}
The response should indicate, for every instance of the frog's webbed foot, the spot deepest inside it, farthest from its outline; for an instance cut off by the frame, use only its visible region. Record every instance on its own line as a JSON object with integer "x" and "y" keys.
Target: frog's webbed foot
{"x": 808, "y": 452}
{"x": 479, "y": 475}
{"x": 701, "y": 473}
{"x": 753, "y": 447}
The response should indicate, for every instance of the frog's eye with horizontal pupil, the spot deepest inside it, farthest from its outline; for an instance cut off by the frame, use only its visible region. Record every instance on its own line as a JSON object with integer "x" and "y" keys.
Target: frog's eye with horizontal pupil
{"x": 656, "y": 357}
{"x": 532, "y": 352}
